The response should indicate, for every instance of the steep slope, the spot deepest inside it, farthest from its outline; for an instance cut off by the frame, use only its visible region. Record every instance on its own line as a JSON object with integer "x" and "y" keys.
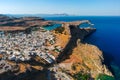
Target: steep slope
{"x": 78, "y": 56}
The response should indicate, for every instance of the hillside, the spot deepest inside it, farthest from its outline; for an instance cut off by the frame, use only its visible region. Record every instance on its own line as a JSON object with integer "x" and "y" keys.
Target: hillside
{"x": 43, "y": 54}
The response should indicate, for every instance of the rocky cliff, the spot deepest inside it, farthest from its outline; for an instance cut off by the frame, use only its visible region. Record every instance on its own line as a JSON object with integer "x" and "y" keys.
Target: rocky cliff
{"x": 82, "y": 57}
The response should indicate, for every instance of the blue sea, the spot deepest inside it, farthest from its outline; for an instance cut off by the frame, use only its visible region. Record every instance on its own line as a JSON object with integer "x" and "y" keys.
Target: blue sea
{"x": 107, "y": 36}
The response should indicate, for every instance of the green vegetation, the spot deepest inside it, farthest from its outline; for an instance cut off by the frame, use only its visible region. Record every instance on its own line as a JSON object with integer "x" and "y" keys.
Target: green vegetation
{"x": 104, "y": 77}
{"x": 82, "y": 76}
{"x": 59, "y": 30}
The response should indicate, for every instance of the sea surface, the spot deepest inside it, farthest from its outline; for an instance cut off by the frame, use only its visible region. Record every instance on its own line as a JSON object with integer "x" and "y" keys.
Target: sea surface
{"x": 107, "y": 36}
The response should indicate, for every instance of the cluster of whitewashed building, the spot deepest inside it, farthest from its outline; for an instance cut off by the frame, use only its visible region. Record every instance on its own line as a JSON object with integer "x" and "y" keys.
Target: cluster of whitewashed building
{"x": 22, "y": 47}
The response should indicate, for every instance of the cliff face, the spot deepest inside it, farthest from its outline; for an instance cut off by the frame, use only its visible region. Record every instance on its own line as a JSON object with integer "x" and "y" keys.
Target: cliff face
{"x": 74, "y": 33}
{"x": 83, "y": 57}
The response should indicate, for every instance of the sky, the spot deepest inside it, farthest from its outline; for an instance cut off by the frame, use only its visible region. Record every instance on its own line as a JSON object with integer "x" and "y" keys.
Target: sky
{"x": 73, "y": 7}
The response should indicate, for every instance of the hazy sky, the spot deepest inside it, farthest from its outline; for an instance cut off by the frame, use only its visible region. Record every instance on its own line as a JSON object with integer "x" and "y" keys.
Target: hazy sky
{"x": 77, "y": 7}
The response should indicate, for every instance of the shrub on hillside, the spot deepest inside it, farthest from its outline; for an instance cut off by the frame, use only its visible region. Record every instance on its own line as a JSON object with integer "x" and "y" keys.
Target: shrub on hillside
{"x": 82, "y": 76}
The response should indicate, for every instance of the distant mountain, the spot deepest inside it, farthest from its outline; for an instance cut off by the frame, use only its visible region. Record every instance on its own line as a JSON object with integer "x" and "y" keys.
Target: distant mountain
{"x": 38, "y": 15}
{"x": 64, "y": 14}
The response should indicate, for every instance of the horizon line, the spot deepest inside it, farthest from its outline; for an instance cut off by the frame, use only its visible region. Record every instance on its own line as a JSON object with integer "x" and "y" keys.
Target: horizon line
{"x": 53, "y": 14}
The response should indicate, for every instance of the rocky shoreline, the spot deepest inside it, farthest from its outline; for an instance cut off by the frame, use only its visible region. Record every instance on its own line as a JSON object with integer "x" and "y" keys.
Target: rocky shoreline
{"x": 60, "y": 50}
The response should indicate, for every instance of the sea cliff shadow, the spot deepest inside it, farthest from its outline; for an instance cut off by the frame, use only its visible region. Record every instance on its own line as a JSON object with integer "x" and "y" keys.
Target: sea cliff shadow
{"x": 108, "y": 59}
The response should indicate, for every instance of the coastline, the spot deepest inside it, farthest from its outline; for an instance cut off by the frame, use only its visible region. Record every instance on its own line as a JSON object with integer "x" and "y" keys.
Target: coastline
{"x": 36, "y": 62}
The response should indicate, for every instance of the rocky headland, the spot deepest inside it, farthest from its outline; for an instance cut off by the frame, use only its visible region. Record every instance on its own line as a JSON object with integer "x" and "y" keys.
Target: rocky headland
{"x": 61, "y": 52}
{"x": 78, "y": 56}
